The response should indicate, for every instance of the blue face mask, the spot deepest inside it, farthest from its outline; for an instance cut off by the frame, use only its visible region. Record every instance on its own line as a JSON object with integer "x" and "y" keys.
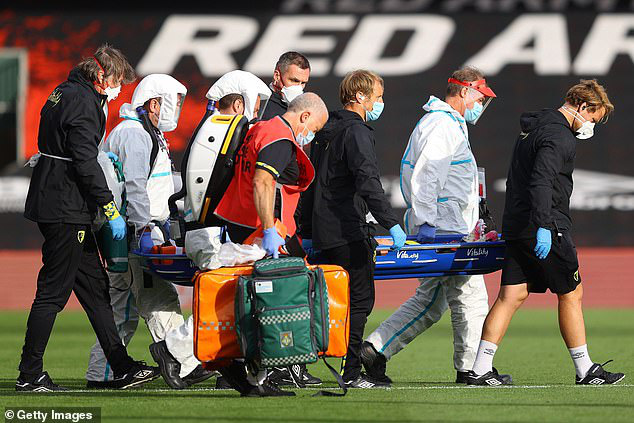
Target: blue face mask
{"x": 303, "y": 140}
{"x": 472, "y": 115}
{"x": 377, "y": 109}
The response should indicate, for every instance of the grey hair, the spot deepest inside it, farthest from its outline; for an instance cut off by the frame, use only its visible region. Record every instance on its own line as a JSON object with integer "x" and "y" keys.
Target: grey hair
{"x": 292, "y": 58}
{"x": 308, "y": 102}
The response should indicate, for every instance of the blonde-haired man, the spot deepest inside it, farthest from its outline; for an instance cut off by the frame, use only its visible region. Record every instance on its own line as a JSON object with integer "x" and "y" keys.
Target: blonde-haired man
{"x": 347, "y": 187}
{"x": 540, "y": 253}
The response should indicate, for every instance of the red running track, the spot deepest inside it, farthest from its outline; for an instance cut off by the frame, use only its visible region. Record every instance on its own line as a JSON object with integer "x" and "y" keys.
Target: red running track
{"x": 606, "y": 273}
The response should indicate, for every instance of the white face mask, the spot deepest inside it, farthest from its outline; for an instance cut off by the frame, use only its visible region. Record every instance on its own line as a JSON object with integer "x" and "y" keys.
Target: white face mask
{"x": 292, "y": 92}
{"x": 586, "y": 130}
{"x": 113, "y": 92}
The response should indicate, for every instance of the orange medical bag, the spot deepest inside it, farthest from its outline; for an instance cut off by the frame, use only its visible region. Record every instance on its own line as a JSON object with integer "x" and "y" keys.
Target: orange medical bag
{"x": 214, "y": 317}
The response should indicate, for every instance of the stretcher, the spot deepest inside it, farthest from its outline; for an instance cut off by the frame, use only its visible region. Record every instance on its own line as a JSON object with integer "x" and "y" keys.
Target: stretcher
{"x": 448, "y": 255}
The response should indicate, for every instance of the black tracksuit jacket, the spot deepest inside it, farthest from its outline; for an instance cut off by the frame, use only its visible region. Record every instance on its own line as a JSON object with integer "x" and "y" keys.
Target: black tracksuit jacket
{"x": 72, "y": 123}
{"x": 347, "y": 185}
{"x": 539, "y": 183}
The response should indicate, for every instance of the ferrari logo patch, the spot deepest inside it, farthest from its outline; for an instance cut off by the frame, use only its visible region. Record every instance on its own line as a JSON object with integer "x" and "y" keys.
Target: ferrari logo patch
{"x": 80, "y": 236}
{"x": 286, "y": 339}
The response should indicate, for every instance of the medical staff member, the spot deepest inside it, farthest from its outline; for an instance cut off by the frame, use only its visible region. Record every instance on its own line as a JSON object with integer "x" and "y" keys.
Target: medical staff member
{"x": 270, "y": 173}
{"x": 235, "y": 93}
{"x": 439, "y": 181}
{"x": 67, "y": 189}
{"x": 147, "y": 169}
{"x": 540, "y": 252}
{"x": 347, "y": 187}
{"x": 290, "y": 77}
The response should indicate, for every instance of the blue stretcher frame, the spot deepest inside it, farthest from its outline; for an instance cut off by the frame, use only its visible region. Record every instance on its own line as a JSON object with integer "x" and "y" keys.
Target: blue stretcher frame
{"x": 448, "y": 255}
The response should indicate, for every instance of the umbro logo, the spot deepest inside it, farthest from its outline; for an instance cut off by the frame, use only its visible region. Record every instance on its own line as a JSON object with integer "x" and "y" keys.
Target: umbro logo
{"x": 596, "y": 381}
{"x": 366, "y": 384}
{"x": 493, "y": 382}
{"x": 143, "y": 374}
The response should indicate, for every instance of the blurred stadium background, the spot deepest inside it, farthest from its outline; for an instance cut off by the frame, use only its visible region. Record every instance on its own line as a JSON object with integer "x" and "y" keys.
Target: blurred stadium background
{"x": 531, "y": 52}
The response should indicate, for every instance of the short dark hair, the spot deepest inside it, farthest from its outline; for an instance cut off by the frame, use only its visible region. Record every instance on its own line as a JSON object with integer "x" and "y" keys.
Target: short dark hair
{"x": 292, "y": 58}
{"x": 226, "y": 101}
{"x": 111, "y": 60}
{"x": 466, "y": 74}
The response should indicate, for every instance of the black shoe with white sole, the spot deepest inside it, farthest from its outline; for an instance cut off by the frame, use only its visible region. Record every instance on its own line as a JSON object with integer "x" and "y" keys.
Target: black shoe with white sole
{"x": 462, "y": 377}
{"x": 597, "y": 375}
{"x": 492, "y": 378}
{"x": 170, "y": 367}
{"x": 309, "y": 379}
{"x": 139, "y": 374}
{"x": 363, "y": 381}
{"x": 222, "y": 383}
{"x": 42, "y": 383}
{"x": 374, "y": 362}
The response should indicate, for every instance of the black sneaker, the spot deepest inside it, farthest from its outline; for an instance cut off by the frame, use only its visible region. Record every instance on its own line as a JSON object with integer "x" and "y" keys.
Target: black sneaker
{"x": 42, "y": 383}
{"x": 280, "y": 376}
{"x": 235, "y": 375}
{"x": 139, "y": 374}
{"x": 492, "y": 378}
{"x": 364, "y": 381}
{"x": 199, "y": 374}
{"x": 309, "y": 379}
{"x": 170, "y": 367}
{"x": 374, "y": 362}
{"x": 222, "y": 383}
{"x": 462, "y": 377}
{"x": 597, "y": 375}
{"x": 267, "y": 389}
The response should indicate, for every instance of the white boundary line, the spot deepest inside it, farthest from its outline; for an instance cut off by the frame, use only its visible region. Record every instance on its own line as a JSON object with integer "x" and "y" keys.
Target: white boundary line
{"x": 396, "y": 388}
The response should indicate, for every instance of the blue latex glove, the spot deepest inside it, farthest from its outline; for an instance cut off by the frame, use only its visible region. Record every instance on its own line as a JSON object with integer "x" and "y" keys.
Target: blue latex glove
{"x": 426, "y": 234}
{"x": 272, "y": 242}
{"x": 544, "y": 242}
{"x": 118, "y": 228}
{"x": 307, "y": 245}
{"x": 399, "y": 237}
{"x": 112, "y": 156}
{"x": 146, "y": 243}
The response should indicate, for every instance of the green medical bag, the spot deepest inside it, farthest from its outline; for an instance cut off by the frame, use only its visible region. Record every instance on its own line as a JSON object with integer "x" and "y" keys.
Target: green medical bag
{"x": 282, "y": 313}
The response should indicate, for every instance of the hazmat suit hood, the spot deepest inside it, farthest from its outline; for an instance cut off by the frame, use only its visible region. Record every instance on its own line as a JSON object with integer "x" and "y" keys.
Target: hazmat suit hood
{"x": 244, "y": 83}
{"x": 530, "y": 121}
{"x": 162, "y": 86}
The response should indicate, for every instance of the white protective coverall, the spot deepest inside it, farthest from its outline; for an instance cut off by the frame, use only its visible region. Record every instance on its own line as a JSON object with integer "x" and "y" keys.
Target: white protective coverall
{"x": 148, "y": 187}
{"x": 180, "y": 340}
{"x": 439, "y": 181}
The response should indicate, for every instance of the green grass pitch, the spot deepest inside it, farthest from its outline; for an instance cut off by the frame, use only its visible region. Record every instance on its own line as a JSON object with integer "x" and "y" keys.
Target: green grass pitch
{"x": 424, "y": 391}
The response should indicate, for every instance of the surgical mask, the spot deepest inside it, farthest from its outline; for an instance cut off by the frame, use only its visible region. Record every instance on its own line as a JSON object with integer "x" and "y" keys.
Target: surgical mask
{"x": 304, "y": 140}
{"x": 377, "y": 109}
{"x": 292, "y": 92}
{"x": 586, "y": 130}
{"x": 113, "y": 92}
{"x": 473, "y": 114}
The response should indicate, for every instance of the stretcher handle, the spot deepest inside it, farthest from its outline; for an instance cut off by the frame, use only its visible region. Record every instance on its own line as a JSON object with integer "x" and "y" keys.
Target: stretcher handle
{"x": 160, "y": 256}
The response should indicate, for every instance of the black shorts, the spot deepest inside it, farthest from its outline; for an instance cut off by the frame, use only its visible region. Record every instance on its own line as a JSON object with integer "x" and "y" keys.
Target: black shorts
{"x": 558, "y": 272}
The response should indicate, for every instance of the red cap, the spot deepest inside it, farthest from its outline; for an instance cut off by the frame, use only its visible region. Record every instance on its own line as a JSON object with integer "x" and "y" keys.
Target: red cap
{"x": 479, "y": 85}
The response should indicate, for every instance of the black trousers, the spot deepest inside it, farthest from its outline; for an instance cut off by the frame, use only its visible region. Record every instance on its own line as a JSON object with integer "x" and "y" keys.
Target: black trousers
{"x": 70, "y": 263}
{"x": 358, "y": 258}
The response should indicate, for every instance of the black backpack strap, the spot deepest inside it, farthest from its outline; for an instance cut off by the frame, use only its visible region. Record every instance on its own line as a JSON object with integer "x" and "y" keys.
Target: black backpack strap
{"x": 339, "y": 380}
{"x": 149, "y": 128}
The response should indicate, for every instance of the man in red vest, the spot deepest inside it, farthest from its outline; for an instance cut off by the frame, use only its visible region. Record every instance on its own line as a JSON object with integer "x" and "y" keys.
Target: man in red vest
{"x": 271, "y": 171}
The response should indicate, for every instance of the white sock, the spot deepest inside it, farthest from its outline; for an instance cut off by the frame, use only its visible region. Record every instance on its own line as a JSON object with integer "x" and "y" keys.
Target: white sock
{"x": 581, "y": 359}
{"x": 484, "y": 359}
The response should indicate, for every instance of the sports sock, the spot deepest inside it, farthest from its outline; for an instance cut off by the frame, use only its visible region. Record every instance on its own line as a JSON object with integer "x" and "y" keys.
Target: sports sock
{"x": 581, "y": 359}
{"x": 484, "y": 359}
